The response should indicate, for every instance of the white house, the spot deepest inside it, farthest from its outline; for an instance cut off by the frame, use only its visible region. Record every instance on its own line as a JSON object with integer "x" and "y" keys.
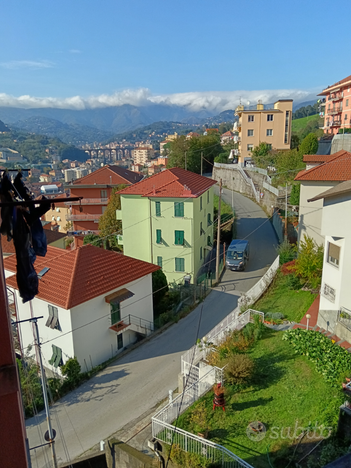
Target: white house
{"x": 322, "y": 173}
{"x": 335, "y": 301}
{"x": 94, "y": 302}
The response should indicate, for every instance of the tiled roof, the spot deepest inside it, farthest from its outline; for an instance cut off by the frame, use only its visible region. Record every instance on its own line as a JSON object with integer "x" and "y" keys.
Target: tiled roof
{"x": 341, "y": 82}
{"x": 11, "y": 262}
{"x": 172, "y": 183}
{"x": 228, "y": 133}
{"x": 337, "y": 168}
{"x": 80, "y": 275}
{"x": 317, "y": 158}
{"x": 109, "y": 175}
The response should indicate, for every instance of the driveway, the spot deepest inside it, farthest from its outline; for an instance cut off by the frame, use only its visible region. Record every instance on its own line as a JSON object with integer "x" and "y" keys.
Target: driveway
{"x": 142, "y": 378}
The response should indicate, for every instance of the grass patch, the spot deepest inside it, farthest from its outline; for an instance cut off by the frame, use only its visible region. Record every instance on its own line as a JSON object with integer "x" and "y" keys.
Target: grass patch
{"x": 281, "y": 297}
{"x": 300, "y": 124}
{"x": 286, "y": 391}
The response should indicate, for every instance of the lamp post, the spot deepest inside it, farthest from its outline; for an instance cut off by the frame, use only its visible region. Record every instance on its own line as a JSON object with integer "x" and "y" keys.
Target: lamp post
{"x": 308, "y": 320}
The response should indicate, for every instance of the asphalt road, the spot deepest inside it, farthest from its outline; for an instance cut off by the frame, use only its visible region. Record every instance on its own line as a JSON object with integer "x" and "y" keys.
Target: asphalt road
{"x": 142, "y": 378}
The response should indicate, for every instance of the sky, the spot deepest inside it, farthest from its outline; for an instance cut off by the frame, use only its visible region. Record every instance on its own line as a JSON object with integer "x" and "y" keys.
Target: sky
{"x": 198, "y": 53}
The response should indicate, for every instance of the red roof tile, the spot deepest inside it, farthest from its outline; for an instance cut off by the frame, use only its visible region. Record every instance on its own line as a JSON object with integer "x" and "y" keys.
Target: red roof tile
{"x": 80, "y": 275}
{"x": 173, "y": 183}
{"x": 338, "y": 168}
{"x": 109, "y": 175}
{"x": 317, "y": 158}
{"x": 52, "y": 252}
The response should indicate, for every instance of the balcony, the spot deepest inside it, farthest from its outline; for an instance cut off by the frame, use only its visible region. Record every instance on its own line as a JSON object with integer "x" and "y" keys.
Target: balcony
{"x": 336, "y": 97}
{"x": 335, "y": 123}
{"x": 84, "y": 217}
{"x": 89, "y": 201}
{"x": 133, "y": 323}
{"x": 336, "y": 110}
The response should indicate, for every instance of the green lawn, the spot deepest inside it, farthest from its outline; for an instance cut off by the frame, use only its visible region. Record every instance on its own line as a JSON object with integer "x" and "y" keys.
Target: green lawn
{"x": 286, "y": 391}
{"x": 280, "y": 297}
{"x": 300, "y": 124}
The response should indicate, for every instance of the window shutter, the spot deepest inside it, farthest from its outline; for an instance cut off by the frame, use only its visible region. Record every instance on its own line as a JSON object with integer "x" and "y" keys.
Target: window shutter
{"x": 158, "y": 208}
{"x": 159, "y": 261}
{"x": 158, "y": 236}
{"x": 181, "y": 209}
{"x": 179, "y": 237}
{"x": 58, "y": 359}
{"x": 54, "y": 354}
{"x": 334, "y": 251}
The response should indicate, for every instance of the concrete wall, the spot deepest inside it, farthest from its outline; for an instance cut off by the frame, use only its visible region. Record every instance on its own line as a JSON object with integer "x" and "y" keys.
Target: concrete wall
{"x": 121, "y": 455}
{"x": 341, "y": 142}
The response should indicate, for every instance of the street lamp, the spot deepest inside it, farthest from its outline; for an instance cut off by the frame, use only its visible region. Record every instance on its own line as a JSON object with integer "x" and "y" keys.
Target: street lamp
{"x": 308, "y": 319}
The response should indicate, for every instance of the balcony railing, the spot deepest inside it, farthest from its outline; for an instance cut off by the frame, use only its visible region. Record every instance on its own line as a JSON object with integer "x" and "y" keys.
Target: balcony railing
{"x": 336, "y": 97}
{"x": 335, "y": 110}
{"x": 83, "y": 217}
{"x": 89, "y": 201}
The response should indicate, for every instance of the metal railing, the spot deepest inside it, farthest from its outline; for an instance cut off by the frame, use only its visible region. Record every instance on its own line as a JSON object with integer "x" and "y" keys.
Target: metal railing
{"x": 83, "y": 217}
{"x": 89, "y": 201}
{"x": 134, "y": 320}
{"x": 163, "y": 430}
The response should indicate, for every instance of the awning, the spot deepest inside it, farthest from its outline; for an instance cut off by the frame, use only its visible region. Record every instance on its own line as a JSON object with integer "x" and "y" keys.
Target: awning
{"x": 119, "y": 296}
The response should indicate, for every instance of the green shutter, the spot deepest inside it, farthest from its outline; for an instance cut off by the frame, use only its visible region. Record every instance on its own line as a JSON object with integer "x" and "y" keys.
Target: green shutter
{"x": 54, "y": 354}
{"x": 158, "y": 236}
{"x": 159, "y": 261}
{"x": 179, "y": 209}
{"x": 179, "y": 264}
{"x": 179, "y": 237}
{"x": 200, "y": 203}
{"x": 58, "y": 360}
{"x": 115, "y": 313}
{"x": 200, "y": 253}
{"x": 158, "y": 208}
{"x": 209, "y": 219}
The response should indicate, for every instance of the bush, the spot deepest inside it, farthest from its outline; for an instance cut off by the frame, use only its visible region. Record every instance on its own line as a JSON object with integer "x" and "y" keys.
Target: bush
{"x": 286, "y": 252}
{"x": 309, "y": 263}
{"x": 71, "y": 370}
{"x": 294, "y": 282}
{"x": 309, "y": 144}
{"x": 239, "y": 369}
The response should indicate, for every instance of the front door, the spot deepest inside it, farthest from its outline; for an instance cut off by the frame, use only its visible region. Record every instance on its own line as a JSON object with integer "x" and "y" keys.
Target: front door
{"x": 120, "y": 341}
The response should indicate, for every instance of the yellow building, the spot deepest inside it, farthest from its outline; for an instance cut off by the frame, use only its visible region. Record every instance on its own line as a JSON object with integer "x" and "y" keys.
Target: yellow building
{"x": 263, "y": 123}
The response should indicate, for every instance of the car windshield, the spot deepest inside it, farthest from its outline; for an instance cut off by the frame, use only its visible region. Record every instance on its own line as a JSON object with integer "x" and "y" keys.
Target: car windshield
{"x": 234, "y": 255}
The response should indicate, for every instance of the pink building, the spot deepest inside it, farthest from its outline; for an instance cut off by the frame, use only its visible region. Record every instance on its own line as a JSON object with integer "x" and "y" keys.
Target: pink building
{"x": 337, "y": 110}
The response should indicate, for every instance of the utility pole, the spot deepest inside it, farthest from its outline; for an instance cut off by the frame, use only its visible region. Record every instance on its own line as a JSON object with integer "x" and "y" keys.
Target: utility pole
{"x": 219, "y": 231}
{"x": 45, "y": 395}
{"x": 201, "y": 162}
{"x": 286, "y": 211}
{"x": 185, "y": 161}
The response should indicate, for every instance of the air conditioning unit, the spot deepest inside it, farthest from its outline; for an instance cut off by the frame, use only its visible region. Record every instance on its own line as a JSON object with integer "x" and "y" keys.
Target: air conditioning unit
{"x": 57, "y": 210}
{"x": 58, "y": 218}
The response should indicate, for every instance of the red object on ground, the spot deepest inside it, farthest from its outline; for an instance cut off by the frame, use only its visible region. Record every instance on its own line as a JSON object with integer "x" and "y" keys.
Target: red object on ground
{"x": 288, "y": 267}
{"x": 219, "y": 399}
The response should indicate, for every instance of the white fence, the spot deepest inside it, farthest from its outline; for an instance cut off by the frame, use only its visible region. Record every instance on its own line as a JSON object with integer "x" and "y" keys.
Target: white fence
{"x": 248, "y": 180}
{"x": 271, "y": 188}
{"x": 163, "y": 430}
{"x": 259, "y": 288}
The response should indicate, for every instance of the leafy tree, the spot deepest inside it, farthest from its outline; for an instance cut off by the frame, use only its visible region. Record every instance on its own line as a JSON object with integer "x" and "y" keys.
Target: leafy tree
{"x": 295, "y": 141}
{"x": 221, "y": 158}
{"x": 93, "y": 239}
{"x": 159, "y": 286}
{"x": 31, "y": 386}
{"x": 108, "y": 223}
{"x": 287, "y": 164}
{"x": 295, "y": 194}
{"x": 309, "y": 144}
{"x": 262, "y": 155}
{"x": 309, "y": 263}
{"x": 71, "y": 370}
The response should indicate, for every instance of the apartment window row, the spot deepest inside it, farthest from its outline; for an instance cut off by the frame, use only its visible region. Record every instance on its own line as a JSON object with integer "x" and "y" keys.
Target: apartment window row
{"x": 251, "y": 118}
{"x": 179, "y": 263}
{"x": 178, "y": 209}
{"x": 178, "y": 237}
{"x": 333, "y": 254}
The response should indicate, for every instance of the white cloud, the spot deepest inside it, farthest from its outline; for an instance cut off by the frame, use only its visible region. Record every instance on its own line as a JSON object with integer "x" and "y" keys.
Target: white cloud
{"x": 75, "y": 51}
{"x": 34, "y": 64}
{"x": 216, "y": 101}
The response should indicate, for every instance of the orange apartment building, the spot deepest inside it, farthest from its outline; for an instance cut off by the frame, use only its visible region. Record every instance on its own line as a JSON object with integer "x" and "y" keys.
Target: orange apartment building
{"x": 337, "y": 106}
{"x": 96, "y": 189}
{"x": 263, "y": 123}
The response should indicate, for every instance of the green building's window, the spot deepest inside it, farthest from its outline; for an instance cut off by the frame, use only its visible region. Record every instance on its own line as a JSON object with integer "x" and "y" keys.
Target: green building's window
{"x": 209, "y": 243}
{"x": 158, "y": 208}
{"x": 179, "y": 264}
{"x": 179, "y": 237}
{"x": 158, "y": 236}
{"x": 115, "y": 313}
{"x": 200, "y": 203}
{"x": 179, "y": 209}
{"x": 201, "y": 230}
{"x": 200, "y": 253}
{"x": 208, "y": 196}
{"x": 159, "y": 261}
{"x": 209, "y": 222}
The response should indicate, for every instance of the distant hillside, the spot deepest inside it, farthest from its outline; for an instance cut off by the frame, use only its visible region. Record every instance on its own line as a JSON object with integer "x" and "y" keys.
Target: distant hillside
{"x": 306, "y": 125}
{"x": 305, "y": 111}
{"x": 32, "y": 147}
{"x": 3, "y": 127}
{"x": 72, "y": 134}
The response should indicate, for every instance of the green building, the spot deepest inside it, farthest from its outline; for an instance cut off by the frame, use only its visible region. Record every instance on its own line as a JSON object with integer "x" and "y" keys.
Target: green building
{"x": 167, "y": 220}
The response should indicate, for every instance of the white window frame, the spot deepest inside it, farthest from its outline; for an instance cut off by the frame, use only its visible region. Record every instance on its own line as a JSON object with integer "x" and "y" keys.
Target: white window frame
{"x": 251, "y": 118}
{"x": 269, "y": 130}
{"x": 270, "y": 117}
{"x": 248, "y": 132}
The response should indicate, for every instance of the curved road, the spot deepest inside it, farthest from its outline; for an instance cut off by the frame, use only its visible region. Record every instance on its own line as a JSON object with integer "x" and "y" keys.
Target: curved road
{"x": 138, "y": 381}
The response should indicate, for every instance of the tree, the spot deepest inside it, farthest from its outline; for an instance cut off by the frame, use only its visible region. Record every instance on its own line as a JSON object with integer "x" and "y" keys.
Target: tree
{"x": 309, "y": 144}
{"x": 93, "y": 239}
{"x": 309, "y": 263}
{"x": 159, "y": 286}
{"x": 109, "y": 226}
{"x": 295, "y": 141}
{"x": 295, "y": 194}
{"x": 262, "y": 155}
{"x": 221, "y": 158}
{"x": 288, "y": 164}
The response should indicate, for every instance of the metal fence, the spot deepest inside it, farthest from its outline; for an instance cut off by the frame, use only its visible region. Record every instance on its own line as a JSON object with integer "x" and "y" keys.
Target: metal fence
{"x": 163, "y": 430}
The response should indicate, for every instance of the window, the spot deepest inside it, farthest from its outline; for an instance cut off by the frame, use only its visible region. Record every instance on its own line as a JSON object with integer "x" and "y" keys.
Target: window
{"x": 56, "y": 358}
{"x": 208, "y": 196}
{"x": 120, "y": 341}
{"x": 269, "y": 146}
{"x": 251, "y": 118}
{"x": 179, "y": 237}
{"x": 179, "y": 209}
{"x": 286, "y": 136}
{"x": 345, "y": 116}
{"x": 329, "y": 292}
{"x": 201, "y": 230}
{"x": 249, "y": 147}
{"x": 200, "y": 203}
{"x": 158, "y": 236}
{"x": 347, "y": 103}
{"x": 269, "y": 132}
{"x": 200, "y": 253}
{"x": 53, "y": 321}
{"x": 159, "y": 261}
{"x": 209, "y": 243}
{"x": 158, "y": 208}
{"x": 333, "y": 254}
{"x": 250, "y": 133}
{"x": 179, "y": 264}
{"x": 103, "y": 193}
{"x": 115, "y": 312}
{"x": 209, "y": 222}
{"x": 269, "y": 117}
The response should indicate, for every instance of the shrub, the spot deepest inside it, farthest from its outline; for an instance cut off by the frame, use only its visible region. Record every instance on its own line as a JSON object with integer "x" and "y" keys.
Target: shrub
{"x": 294, "y": 282}
{"x": 239, "y": 368}
{"x": 286, "y": 252}
{"x": 71, "y": 370}
{"x": 199, "y": 417}
{"x": 309, "y": 263}
{"x": 309, "y": 144}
